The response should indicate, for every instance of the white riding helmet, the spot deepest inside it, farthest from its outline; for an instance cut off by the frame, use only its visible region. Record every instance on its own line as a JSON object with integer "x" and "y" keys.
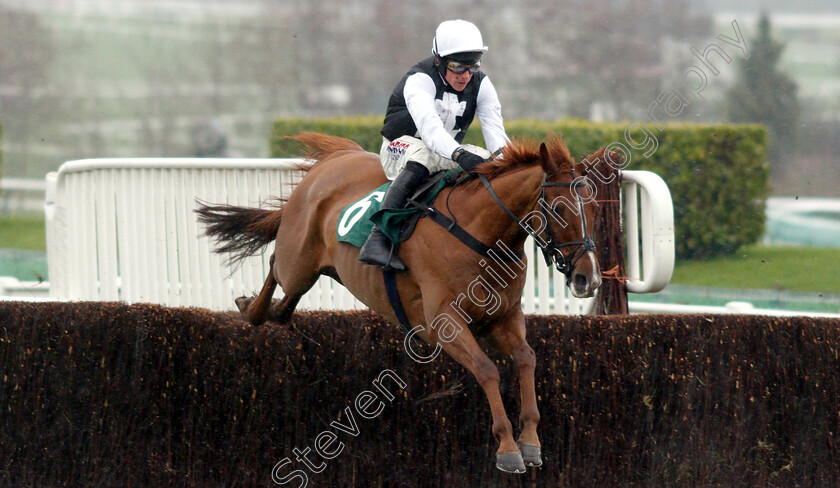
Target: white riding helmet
{"x": 457, "y": 36}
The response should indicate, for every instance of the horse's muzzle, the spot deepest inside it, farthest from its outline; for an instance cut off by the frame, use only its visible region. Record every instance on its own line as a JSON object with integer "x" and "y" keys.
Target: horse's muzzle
{"x": 583, "y": 285}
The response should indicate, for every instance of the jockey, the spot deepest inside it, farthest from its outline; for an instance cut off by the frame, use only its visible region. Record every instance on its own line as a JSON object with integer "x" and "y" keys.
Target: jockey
{"x": 427, "y": 118}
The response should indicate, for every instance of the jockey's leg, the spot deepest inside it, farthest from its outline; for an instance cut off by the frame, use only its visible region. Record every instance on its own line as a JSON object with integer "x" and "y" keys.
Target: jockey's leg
{"x": 378, "y": 249}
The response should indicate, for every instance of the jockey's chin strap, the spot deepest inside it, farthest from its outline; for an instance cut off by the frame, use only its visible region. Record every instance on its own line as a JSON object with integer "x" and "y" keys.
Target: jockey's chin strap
{"x": 552, "y": 250}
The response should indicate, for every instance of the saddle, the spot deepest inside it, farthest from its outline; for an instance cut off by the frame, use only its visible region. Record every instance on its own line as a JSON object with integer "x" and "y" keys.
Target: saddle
{"x": 357, "y": 219}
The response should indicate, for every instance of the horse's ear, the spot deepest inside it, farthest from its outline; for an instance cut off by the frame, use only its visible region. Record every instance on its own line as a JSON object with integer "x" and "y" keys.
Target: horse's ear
{"x": 545, "y": 160}
{"x": 616, "y": 158}
{"x": 589, "y": 161}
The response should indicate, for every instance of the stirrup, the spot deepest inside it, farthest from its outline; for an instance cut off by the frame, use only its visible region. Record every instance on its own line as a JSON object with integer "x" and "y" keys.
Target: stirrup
{"x": 380, "y": 251}
{"x": 394, "y": 262}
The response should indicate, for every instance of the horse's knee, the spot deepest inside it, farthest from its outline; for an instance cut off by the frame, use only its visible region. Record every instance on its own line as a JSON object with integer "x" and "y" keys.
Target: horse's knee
{"x": 486, "y": 373}
{"x": 525, "y": 357}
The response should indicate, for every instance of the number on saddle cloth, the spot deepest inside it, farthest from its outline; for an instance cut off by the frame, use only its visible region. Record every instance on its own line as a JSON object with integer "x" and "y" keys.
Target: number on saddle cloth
{"x": 357, "y": 219}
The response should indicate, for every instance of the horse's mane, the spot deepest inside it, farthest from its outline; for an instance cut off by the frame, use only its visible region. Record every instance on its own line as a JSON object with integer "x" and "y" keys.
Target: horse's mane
{"x": 322, "y": 146}
{"x": 525, "y": 153}
{"x": 519, "y": 154}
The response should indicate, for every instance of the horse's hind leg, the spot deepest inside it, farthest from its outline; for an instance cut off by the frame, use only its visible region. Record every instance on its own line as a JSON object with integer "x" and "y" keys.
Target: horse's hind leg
{"x": 281, "y": 311}
{"x": 510, "y": 339}
{"x": 263, "y": 307}
{"x": 256, "y": 309}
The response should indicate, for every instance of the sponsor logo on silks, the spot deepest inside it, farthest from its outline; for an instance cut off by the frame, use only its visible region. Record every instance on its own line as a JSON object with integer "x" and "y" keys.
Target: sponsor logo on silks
{"x": 396, "y": 150}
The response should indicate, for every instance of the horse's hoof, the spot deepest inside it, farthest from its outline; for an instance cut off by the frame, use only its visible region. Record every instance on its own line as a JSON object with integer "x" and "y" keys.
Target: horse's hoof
{"x": 532, "y": 455}
{"x": 510, "y": 462}
{"x": 242, "y": 303}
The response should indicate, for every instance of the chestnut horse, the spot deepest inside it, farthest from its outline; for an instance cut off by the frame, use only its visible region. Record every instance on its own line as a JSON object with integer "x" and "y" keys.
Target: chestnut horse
{"x": 447, "y": 283}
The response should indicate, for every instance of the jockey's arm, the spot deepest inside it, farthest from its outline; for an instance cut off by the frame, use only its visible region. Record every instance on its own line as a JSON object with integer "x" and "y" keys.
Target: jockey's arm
{"x": 489, "y": 112}
{"x": 419, "y": 93}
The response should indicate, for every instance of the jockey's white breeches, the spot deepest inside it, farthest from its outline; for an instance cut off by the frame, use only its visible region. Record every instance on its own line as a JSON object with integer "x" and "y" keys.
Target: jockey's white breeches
{"x": 395, "y": 154}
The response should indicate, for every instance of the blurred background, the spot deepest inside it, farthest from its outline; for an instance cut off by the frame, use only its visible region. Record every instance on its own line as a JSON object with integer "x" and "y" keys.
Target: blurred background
{"x": 137, "y": 78}
{"x": 94, "y": 78}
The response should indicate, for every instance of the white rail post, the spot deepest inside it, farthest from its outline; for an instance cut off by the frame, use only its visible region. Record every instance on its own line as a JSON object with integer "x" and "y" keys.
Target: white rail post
{"x": 656, "y": 228}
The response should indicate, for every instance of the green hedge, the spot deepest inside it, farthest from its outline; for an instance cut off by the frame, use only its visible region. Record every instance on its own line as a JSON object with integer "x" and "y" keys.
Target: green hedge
{"x": 717, "y": 174}
{"x": 109, "y": 394}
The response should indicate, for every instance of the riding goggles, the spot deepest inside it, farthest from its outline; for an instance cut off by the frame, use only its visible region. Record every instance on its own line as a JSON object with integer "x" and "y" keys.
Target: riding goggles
{"x": 459, "y": 68}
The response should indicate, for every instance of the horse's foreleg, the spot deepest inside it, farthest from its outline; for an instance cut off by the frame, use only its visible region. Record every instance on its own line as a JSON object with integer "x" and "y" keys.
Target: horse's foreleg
{"x": 464, "y": 349}
{"x": 510, "y": 340}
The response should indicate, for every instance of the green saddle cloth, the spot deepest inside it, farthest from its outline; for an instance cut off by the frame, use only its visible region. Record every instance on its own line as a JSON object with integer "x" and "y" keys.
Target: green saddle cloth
{"x": 357, "y": 219}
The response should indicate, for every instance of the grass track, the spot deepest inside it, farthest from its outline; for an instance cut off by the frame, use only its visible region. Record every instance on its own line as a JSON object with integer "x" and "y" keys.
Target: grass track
{"x": 790, "y": 268}
{"x": 23, "y": 233}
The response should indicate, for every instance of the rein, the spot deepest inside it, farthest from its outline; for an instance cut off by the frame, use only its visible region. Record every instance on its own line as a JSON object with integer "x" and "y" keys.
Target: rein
{"x": 465, "y": 237}
{"x": 551, "y": 250}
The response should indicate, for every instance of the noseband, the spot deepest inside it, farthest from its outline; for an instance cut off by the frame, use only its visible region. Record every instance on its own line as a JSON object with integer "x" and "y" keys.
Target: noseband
{"x": 551, "y": 249}
{"x": 564, "y": 263}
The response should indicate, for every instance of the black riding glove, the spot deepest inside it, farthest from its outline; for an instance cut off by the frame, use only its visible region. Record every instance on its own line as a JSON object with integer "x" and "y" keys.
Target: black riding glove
{"x": 466, "y": 159}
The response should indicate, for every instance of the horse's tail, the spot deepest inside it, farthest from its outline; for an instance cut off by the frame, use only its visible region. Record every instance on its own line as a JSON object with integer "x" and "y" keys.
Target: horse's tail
{"x": 322, "y": 146}
{"x": 240, "y": 231}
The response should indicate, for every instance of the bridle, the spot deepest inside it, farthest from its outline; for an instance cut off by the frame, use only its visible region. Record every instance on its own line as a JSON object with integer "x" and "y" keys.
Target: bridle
{"x": 551, "y": 249}
{"x": 564, "y": 263}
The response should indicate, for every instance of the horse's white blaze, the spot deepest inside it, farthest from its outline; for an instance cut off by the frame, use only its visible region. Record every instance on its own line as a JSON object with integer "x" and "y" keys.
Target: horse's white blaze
{"x": 595, "y": 279}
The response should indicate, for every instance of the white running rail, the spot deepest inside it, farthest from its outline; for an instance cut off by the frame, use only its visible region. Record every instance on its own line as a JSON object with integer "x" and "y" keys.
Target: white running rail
{"x": 125, "y": 229}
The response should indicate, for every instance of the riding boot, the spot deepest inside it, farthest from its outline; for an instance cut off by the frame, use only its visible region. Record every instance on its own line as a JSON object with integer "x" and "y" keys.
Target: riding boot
{"x": 378, "y": 249}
